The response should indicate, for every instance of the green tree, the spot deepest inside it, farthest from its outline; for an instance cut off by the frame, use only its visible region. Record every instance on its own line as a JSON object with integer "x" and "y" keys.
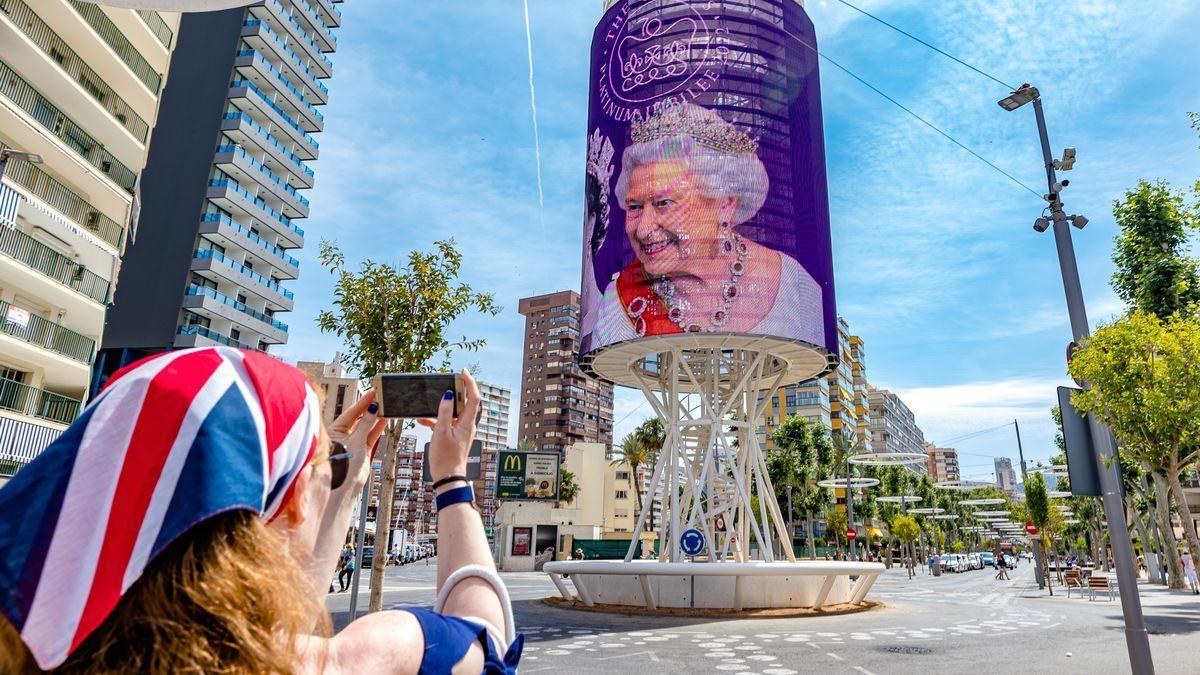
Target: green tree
{"x": 634, "y": 451}
{"x": 802, "y": 456}
{"x": 393, "y": 319}
{"x": 1037, "y": 507}
{"x": 1145, "y": 385}
{"x": 908, "y": 531}
{"x": 1155, "y": 273}
{"x": 835, "y": 526}
{"x": 568, "y": 489}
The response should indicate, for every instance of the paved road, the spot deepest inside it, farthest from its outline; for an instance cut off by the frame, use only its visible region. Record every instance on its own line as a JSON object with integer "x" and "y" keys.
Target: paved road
{"x": 957, "y": 623}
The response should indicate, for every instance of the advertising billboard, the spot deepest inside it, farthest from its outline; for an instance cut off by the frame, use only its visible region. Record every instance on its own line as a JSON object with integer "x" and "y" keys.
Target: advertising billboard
{"x": 528, "y": 475}
{"x": 706, "y": 200}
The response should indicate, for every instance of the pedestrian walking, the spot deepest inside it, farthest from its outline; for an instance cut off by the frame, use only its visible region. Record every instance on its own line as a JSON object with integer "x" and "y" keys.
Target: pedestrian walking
{"x": 346, "y": 571}
{"x": 1002, "y": 566}
{"x": 1189, "y": 571}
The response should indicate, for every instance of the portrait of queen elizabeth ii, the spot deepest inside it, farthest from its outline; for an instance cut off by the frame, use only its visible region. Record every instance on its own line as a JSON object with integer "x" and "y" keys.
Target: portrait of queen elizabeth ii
{"x": 686, "y": 184}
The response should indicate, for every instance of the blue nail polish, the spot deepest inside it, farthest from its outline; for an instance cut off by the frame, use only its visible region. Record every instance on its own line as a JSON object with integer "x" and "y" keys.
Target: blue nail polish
{"x": 448, "y": 395}
{"x": 373, "y": 408}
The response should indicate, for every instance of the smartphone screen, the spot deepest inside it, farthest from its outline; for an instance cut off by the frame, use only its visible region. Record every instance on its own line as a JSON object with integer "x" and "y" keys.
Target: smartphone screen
{"x": 412, "y": 395}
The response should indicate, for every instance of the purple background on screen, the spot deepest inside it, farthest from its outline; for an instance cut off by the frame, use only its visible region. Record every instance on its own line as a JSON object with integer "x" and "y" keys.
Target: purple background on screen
{"x": 782, "y": 111}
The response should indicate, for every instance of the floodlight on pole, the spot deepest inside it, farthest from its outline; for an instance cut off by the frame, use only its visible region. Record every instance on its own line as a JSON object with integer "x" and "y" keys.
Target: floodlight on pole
{"x": 1024, "y": 94}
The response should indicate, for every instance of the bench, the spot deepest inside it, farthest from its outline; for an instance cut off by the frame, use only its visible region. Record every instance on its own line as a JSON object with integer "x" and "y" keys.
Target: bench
{"x": 1073, "y": 579}
{"x": 1100, "y": 582}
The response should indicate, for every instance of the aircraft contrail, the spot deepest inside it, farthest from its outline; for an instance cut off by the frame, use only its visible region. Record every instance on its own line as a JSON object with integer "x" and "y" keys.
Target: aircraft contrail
{"x": 537, "y": 141}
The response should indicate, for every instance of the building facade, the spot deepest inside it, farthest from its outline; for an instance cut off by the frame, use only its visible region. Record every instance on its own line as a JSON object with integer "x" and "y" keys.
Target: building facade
{"x": 80, "y": 88}
{"x": 492, "y": 432}
{"x": 894, "y": 427}
{"x": 942, "y": 463}
{"x": 409, "y": 492}
{"x": 222, "y": 190}
{"x": 837, "y": 402}
{"x": 338, "y": 390}
{"x": 1006, "y": 478}
{"x": 560, "y": 405}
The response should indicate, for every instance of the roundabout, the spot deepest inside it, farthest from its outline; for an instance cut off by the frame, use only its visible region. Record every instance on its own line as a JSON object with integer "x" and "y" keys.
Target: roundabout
{"x": 732, "y": 586}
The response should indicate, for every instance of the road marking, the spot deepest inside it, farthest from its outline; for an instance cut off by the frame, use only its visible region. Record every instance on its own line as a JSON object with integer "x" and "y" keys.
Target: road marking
{"x": 862, "y": 670}
{"x": 652, "y": 655}
{"x": 834, "y": 656}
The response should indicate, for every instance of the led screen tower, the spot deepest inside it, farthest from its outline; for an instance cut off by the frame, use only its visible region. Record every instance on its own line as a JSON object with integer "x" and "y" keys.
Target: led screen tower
{"x": 707, "y": 271}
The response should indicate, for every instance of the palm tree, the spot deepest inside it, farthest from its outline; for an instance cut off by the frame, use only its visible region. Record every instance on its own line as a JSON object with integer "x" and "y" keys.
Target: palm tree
{"x": 634, "y": 452}
{"x": 568, "y": 488}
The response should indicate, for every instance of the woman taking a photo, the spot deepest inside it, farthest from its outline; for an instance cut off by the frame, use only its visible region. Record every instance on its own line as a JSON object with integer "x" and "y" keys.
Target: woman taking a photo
{"x": 191, "y": 517}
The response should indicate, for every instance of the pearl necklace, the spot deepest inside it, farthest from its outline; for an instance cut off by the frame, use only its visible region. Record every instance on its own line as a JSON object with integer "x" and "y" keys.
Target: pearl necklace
{"x": 679, "y": 310}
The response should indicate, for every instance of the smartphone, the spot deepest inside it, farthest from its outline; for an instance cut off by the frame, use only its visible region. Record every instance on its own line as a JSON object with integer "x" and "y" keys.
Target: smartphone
{"x": 412, "y": 395}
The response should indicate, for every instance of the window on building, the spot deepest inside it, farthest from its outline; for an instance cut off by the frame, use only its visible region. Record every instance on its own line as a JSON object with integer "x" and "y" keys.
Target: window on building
{"x": 622, "y": 494}
{"x": 340, "y": 402}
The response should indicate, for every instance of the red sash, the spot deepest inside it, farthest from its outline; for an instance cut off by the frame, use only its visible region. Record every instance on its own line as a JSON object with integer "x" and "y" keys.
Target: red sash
{"x": 632, "y": 283}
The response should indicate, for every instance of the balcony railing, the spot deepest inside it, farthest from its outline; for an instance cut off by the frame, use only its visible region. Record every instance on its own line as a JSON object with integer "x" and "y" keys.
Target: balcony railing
{"x": 221, "y": 218}
{"x": 271, "y": 104}
{"x": 49, "y": 42}
{"x": 275, "y": 215}
{"x": 35, "y": 254}
{"x": 157, "y": 26}
{"x": 266, "y": 135}
{"x": 287, "y": 50}
{"x": 15, "y": 88}
{"x": 281, "y": 80}
{"x": 47, "y": 334}
{"x": 267, "y": 175}
{"x": 26, "y": 400}
{"x": 62, "y": 198}
{"x": 316, "y": 20}
{"x": 114, "y": 38}
{"x": 300, "y": 29}
{"x": 204, "y": 254}
{"x": 239, "y": 306}
{"x": 212, "y": 335}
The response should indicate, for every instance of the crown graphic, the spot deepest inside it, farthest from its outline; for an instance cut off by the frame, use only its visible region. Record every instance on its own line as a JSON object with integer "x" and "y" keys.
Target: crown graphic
{"x": 707, "y": 128}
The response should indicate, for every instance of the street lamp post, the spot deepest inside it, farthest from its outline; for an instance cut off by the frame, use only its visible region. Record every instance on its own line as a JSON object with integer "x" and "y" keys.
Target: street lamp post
{"x": 1136, "y": 638}
{"x": 850, "y": 512}
{"x": 1037, "y": 544}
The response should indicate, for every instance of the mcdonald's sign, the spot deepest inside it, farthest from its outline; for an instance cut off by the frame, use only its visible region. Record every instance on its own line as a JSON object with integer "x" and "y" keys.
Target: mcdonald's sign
{"x": 528, "y": 475}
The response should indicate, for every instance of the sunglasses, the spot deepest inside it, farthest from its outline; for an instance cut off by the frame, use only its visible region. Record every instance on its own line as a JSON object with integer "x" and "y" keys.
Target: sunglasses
{"x": 339, "y": 465}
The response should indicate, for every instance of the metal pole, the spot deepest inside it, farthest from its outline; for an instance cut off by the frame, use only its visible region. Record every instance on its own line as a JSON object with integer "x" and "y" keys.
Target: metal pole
{"x": 1136, "y": 638}
{"x": 358, "y": 553}
{"x": 850, "y": 510}
{"x": 1038, "y": 571}
{"x": 790, "y": 523}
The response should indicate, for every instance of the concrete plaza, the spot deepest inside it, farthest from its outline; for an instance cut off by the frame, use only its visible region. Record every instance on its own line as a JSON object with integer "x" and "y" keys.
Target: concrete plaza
{"x": 955, "y": 623}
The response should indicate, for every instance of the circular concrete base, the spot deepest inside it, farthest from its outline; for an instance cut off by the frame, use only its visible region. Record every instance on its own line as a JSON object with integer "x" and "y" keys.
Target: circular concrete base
{"x": 774, "y": 613}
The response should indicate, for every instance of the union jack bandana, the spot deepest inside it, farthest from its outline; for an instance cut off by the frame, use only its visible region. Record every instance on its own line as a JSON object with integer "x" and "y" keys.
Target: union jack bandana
{"x": 171, "y": 441}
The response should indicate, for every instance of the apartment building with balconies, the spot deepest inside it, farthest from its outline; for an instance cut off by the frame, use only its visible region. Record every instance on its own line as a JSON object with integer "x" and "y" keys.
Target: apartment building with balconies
{"x": 80, "y": 88}
{"x": 560, "y": 404}
{"x": 223, "y": 192}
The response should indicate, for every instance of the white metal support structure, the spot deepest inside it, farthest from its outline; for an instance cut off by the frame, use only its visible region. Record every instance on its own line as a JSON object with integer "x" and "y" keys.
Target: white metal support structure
{"x": 712, "y": 399}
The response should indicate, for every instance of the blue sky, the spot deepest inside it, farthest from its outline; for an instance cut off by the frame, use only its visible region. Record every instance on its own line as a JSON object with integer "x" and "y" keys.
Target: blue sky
{"x": 937, "y": 267}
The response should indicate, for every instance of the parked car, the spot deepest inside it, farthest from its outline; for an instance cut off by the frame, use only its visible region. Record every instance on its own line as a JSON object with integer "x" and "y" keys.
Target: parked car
{"x": 989, "y": 558}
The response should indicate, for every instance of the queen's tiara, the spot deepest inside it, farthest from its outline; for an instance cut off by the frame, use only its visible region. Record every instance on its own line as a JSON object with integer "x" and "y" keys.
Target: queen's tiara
{"x": 707, "y": 128}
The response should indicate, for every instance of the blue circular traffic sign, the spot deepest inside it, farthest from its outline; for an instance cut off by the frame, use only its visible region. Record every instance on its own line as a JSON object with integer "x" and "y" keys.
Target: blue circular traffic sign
{"x": 691, "y": 541}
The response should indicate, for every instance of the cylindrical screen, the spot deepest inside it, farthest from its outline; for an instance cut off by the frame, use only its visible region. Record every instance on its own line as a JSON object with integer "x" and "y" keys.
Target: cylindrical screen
{"x": 706, "y": 202}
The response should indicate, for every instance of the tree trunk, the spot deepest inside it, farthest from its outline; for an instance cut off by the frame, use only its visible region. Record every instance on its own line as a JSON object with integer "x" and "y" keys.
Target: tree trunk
{"x": 383, "y": 514}
{"x": 1185, "y": 516}
{"x": 1045, "y": 563}
{"x": 891, "y": 541}
{"x": 812, "y": 544}
{"x": 1162, "y": 512}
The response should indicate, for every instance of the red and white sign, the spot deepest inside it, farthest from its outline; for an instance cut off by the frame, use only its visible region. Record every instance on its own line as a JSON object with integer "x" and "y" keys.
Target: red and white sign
{"x": 1030, "y": 527}
{"x": 18, "y": 317}
{"x": 851, "y": 533}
